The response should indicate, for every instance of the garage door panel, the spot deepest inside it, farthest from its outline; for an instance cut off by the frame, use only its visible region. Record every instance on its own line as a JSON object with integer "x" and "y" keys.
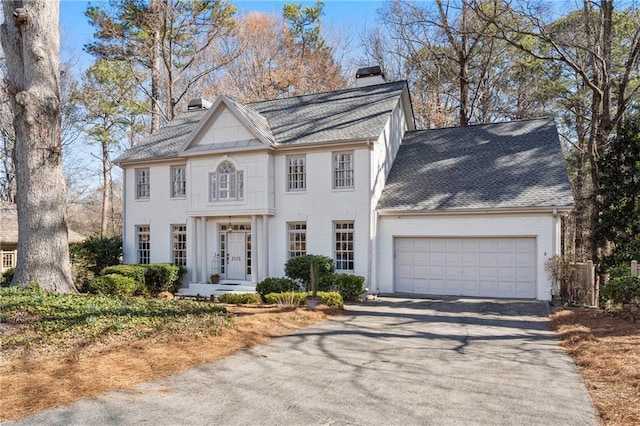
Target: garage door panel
{"x": 488, "y": 267}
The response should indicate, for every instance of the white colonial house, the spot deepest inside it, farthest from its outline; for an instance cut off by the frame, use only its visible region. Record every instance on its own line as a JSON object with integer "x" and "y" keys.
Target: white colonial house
{"x": 237, "y": 189}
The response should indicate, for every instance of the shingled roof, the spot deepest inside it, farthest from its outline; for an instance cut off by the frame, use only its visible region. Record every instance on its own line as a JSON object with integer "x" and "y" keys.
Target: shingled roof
{"x": 9, "y": 226}
{"x": 349, "y": 114}
{"x": 518, "y": 164}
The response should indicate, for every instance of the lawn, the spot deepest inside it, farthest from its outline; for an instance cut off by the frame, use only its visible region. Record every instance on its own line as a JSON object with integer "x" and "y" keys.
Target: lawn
{"x": 606, "y": 350}
{"x": 57, "y": 349}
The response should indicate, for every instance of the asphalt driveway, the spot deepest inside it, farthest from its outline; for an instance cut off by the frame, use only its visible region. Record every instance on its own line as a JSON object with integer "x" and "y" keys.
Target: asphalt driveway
{"x": 390, "y": 362}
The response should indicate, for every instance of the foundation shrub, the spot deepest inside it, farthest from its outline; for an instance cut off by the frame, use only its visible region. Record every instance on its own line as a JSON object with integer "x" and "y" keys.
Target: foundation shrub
{"x": 623, "y": 290}
{"x": 112, "y": 285}
{"x": 7, "y": 277}
{"x": 275, "y": 285}
{"x": 349, "y": 286}
{"x": 298, "y": 269}
{"x": 329, "y": 298}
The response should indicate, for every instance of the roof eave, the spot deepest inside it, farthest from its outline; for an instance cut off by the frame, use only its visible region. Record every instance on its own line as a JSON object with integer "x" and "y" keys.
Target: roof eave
{"x": 469, "y": 211}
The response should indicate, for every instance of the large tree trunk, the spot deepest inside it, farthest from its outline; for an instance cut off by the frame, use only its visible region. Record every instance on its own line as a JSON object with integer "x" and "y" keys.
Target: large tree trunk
{"x": 106, "y": 190}
{"x": 30, "y": 39}
{"x": 155, "y": 71}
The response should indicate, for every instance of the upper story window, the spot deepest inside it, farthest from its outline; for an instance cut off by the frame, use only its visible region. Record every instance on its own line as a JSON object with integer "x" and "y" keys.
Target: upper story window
{"x": 342, "y": 170}
{"x": 178, "y": 181}
{"x": 227, "y": 184}
{"x": 142, "y": 184}
{"x": 296, "y": 173}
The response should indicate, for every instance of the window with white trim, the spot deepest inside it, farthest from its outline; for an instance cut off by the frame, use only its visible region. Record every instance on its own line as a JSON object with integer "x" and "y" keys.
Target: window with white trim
{"x": 296, "y": 173}
{"x": 227, "y": 183}
{"x": 143, "y": 188}
{"x": 297, "y": 239}
{"x": 143, "y": 237}
{"x": 179, "y": 244}
{"x": 342, "y": 170}
{"x": 178, "y": 181}
{"x": 343, "y": 243}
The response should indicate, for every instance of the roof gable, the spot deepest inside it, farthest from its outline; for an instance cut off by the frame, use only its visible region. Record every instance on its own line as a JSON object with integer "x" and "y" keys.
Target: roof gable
{"x": 227, "y": 125}
{"x": 518, "y": 164}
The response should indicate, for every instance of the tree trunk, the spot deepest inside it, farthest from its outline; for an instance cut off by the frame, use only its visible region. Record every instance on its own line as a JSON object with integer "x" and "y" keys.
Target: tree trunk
{"x": 30, "y": 39}
{"x": 155, "y": 71}
{"x": 106, "y": 190}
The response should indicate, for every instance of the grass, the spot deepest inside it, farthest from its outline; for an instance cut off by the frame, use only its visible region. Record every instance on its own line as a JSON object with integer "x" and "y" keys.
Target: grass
{"x": 606, "y": 350}
{"x": 57, "y": 349}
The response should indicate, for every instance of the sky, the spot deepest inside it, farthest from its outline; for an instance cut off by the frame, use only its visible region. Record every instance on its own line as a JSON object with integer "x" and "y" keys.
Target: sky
{"x": 344, "y": 16}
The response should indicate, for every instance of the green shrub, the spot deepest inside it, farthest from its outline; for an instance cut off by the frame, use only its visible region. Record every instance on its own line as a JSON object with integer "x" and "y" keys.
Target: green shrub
{"x": 240, "y": 299}
{"x": 163, "y": 277}
{"x": 275, "y": 285}
{"x": 137, "y": 272}
{"x": 329, "y": 298}
{"x": 7, "y": 277}
{"x": 619, "y": 271}
{"x": 298, "y": 268}
{"x": 97, "y": 252}
{"x": 112, "y": 285}
{"x": 621, "y": 290}
{"x": 349, "y": 286}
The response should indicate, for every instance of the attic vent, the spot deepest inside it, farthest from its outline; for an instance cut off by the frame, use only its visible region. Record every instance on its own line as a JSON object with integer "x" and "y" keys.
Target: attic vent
{"x": 369, "y": 76}
{"x": 197, "y": 104}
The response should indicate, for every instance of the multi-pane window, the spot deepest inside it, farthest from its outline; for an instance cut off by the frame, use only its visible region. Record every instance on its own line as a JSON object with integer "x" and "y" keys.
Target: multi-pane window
{"x": 296, "y": 173}
{"x": 297, "y": 239}
{"x": 343, "y": 253}
{"x": 227, "y": 184}
{"x": 179, "y": 244}
{"x": 178, "y": 181}
{"x": 142, "y": 184}
{"x": 342, "y": 170}
{"x": 143, "y": 237}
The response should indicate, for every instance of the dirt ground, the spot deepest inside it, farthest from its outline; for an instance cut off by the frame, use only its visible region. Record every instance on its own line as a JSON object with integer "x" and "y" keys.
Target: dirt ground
{"x": 606, "y": 350}
{"x": 29, "y": 384}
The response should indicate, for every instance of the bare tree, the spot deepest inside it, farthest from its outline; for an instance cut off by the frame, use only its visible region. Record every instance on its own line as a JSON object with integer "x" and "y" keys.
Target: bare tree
{"x": 31, "y": 43}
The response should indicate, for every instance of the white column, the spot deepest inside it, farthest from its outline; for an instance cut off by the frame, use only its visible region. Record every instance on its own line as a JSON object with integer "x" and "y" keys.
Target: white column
{"x": 264, "y": 258}
{"x": 203, "y": 250}
{"x": 192, "y": 250}
{"x": 255, "y": 264}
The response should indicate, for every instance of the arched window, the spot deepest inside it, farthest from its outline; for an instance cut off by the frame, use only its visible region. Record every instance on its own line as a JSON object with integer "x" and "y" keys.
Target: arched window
{"x": 226, "y": 183}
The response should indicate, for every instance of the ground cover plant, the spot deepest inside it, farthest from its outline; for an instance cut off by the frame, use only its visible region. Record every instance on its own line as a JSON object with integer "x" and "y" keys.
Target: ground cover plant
{"x": 57, "y": 349}
{"x": 606, "y": 350}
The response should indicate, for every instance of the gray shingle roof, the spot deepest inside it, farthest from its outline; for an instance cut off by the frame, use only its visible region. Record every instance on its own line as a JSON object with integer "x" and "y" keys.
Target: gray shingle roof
{"x": 518, "y": 164}
{"x": 358, "y": 113}
{"x": 9, "y": 225}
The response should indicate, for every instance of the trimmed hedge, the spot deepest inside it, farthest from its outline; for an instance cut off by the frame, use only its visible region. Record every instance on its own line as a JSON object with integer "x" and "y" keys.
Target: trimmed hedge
{"x": 298, "y": 268}
{"x": 240, "y": 299}
{"x": 112, "y": 285}
{"x": 622, "y": 290}
{"x": 349, "y": 286}
{"x": 329, "y": 298}
{"x": 276, "y": 285}
{"x": 152, "y": 278}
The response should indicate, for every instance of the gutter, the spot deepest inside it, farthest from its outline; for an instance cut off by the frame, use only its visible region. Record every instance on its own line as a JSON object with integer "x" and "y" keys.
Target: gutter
{"x": 494, "y": 210}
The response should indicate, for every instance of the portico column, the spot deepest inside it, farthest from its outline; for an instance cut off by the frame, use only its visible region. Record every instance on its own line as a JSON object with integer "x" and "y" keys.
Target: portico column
{"x": 264, "y": 258}
{"x": 192, "y": 252}
{"x": 203, "y": 249}
{"x": 255, "y": 264}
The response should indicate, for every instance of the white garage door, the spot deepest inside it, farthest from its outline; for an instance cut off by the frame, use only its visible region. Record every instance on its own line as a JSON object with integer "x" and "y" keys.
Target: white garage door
{"x": 487, "y": 267}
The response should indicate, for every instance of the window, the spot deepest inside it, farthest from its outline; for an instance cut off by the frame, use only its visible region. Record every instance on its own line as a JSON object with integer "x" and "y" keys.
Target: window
{"x": 178, "y": 181}
{"x": 342, "y": 170}
{"x": 144, "y": 248}
{"x": 179, "y": 244}
{"x": 343, "y": 254}
{"x": 227, "y": 184}
{"x": 142, "y": 184}
{"x": 296, "y": 173}
{"x": 297, "y": 239}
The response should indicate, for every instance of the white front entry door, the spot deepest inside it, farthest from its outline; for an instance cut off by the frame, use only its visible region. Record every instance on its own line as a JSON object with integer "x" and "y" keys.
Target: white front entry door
{"x": 236, "y": 256}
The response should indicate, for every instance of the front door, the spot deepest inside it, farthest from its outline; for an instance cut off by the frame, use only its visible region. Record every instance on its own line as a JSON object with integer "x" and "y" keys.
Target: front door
{"x": 236, "y": 256}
